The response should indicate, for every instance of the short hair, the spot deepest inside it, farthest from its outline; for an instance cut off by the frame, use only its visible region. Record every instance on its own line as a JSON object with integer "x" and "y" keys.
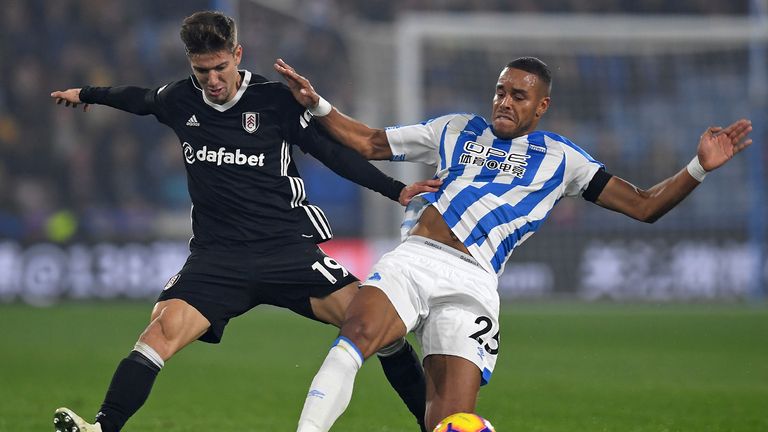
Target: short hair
{"x": 534, "y": 66}
{"x": 208, "y": 32}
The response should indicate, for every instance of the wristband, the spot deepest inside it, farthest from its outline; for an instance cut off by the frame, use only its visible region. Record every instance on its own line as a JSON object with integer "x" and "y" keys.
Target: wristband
{"x": 322, "y": 109}
{"x": 696, "y": 170}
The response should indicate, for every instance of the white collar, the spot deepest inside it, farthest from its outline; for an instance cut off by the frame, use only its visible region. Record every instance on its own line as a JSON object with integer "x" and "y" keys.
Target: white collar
{"x": 234, "y": 100}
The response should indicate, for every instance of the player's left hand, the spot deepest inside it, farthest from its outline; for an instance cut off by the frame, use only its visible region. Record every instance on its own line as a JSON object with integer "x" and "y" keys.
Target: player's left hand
{"x": 301, "y": 88}
{"x": 410, "y": 191}
{"x": 718, "y": 145}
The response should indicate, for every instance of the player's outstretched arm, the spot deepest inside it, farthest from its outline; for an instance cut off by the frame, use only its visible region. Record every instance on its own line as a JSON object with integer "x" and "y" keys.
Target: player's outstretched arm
{"x": 354, "y": 167}
{"x": 70, "y": 97}
{"x": 369, "y": 142}
{"x": 135, "y": 100}
{"x": 717, "y": 146}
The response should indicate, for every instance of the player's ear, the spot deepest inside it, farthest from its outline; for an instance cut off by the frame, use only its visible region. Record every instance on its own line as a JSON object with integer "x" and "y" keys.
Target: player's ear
{"x": 238, "y": 54}
{"x": 543, "y": 106}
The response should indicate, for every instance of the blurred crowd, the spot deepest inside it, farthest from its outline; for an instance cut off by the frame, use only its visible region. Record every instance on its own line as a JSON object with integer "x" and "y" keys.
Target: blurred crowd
{"x": 67, "y": 175}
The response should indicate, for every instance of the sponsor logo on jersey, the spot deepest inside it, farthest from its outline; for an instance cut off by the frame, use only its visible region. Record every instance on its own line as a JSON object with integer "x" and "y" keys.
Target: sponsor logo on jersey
{"x": 537, "y": 148}
{"x": 172, "y": 281}
{"x": 189, "y": 153}
{"x": 488, "y": 157}
{"x": 374, "y": 277}
{"x": 398, "y": 157}
{"x": 193, "y": 121}
{"x": 221, "y": 156}
{"x": 250, "y": 121}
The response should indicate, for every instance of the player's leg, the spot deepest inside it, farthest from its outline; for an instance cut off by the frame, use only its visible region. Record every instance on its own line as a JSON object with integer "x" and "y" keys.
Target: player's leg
{"x": 333, "y": 307}
{"x": 446, "y": 374}
{"x": 402, "y": 367}
{"x": 460, "y": 339}
{"x": 371, "y": 323}
{"x": 398, "y": 359}
{"x": 173, "y": 325}
{"x": 400, "y": 362}
{"x": 458, "y": 328}
{"x": 197, "y": 303}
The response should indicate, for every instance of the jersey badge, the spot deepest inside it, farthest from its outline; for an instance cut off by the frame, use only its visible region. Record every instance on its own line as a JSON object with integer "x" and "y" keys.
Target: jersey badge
{"x": 375, "y": 277}
{"x": 250, "y": 121}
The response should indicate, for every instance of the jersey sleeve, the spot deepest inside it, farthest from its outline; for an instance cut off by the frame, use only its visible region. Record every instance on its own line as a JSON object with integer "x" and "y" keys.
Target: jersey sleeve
{"x": 301, "y": 129}
{"x": 418, "y": 142}
{"x": 132, "y": 99}
{"x": 580, "y": 168}
{"x": 135, "y": 100}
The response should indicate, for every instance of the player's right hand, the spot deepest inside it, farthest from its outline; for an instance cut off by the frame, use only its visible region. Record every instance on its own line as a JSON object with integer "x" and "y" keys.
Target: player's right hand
{"x": 70, "y": 97}
{"x": 301, "y": 88}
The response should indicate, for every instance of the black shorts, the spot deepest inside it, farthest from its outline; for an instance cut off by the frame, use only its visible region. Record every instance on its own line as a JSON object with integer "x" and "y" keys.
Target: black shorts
{"x": 224, "y": 284}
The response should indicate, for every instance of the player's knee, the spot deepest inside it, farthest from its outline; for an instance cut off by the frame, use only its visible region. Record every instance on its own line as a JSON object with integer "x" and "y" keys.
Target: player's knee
{"x": 163, "y": 333}
{"x": 155, "y": 338}
{"x": 365, "y": 336}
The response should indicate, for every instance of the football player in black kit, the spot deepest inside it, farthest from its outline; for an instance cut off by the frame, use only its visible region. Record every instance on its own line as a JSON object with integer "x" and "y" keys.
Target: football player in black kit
{"x": 255, "y": 234}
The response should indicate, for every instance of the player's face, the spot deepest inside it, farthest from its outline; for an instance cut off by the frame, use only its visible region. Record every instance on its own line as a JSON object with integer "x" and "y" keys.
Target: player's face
{"x": 217, "y": 73}
{"x": 520, "y": 101}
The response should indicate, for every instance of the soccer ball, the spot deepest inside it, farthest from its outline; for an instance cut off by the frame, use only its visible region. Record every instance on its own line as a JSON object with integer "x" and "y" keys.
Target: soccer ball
{"x": 464, "y": 422}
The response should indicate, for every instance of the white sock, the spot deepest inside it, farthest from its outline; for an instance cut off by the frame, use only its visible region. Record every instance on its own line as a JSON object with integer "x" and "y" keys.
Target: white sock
{"x": 331, "y": 390}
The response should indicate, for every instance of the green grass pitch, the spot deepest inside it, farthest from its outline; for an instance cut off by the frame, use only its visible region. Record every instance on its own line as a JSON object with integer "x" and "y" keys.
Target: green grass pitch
{"x": 562, "y": 368}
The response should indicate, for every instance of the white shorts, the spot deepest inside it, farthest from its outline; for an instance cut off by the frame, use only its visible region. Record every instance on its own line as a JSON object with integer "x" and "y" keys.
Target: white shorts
{"x": 445, "y": 298}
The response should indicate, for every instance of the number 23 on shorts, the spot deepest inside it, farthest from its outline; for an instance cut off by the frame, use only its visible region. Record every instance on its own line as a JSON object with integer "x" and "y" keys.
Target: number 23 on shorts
{"x": 491, "y": 344}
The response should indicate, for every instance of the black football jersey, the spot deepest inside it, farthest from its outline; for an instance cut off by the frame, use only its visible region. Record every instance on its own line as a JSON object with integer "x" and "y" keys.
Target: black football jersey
{"x": 244, "y": 185}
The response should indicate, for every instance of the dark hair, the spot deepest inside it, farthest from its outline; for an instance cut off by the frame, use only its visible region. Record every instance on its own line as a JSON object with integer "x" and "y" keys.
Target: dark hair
{"x": 534, "y": 66}
{"x": 208, "y": 32}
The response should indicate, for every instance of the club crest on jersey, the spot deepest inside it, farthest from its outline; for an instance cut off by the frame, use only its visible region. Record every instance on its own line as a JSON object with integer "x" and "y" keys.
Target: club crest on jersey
{"x": 250, "y": 121}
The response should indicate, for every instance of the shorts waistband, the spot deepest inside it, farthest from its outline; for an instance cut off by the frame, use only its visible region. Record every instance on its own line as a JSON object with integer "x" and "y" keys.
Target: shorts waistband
{"x": 445, "y": 248}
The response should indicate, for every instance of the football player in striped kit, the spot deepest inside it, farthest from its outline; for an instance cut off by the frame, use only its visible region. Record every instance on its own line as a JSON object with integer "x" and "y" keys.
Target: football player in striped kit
{"x": 500, "y": 181}
{"x": 255, "y": 233}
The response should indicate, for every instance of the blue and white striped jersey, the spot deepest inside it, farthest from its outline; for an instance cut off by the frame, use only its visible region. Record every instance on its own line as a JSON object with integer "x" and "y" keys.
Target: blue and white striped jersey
{"x": 495, "y": 192}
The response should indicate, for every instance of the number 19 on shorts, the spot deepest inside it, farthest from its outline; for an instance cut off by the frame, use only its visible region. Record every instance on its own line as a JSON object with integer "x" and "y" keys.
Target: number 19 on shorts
{"x": 326, "y": 266}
